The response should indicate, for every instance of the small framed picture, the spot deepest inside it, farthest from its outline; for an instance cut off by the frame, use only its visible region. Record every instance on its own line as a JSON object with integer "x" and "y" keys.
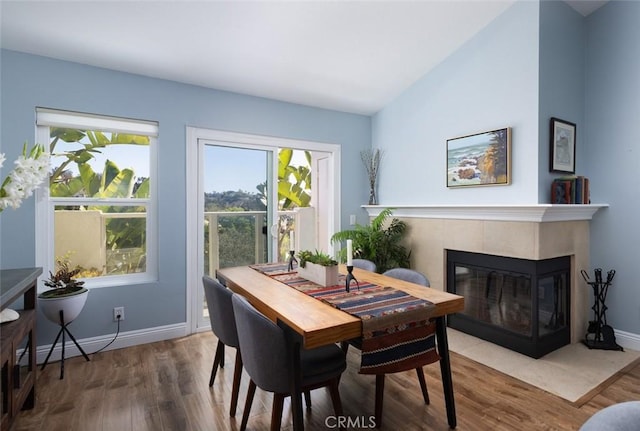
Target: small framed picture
{"x": 562, "y": 154}
{"x": 482, "y": 159}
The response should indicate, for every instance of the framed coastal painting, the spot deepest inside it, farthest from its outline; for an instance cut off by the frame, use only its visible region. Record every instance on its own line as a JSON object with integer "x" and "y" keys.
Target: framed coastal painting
{"x": 482, "y": 159}
{"x": 562, "y": 153}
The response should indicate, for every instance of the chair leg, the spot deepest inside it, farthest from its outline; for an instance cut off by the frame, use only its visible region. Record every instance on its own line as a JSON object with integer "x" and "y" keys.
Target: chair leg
{"x": 237, "y": 375}
{"x": 221, "y": 354}
{"x": 379, "y": 398}
{"x": 218, "y": 360}
{"x": 307, "y": 398}
{"x": 335, "y": 397}
{"x": 344, "y": 346}
{"x": 423, "y": 385}
{"x": 251, "y": 390}
{"x": 276, "y": 411}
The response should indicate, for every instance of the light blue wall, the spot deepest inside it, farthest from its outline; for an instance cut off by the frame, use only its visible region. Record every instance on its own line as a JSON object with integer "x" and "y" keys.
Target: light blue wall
{"x": 535, "y": 61}
{"x": 612, "y": 149}
{"x": 562, "y": 83}
{"x": 30, "y": 81}
{"x": 489, "y": 83}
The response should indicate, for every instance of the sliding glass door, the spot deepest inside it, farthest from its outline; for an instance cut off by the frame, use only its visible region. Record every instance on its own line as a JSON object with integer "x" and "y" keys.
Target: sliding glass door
{"x": 247, "y": 194}
{"x": 237, "y": 208}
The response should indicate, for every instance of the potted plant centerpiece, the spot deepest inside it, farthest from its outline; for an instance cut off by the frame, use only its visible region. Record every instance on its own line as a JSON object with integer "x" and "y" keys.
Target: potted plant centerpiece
{"x": 318, "y": 267}
{"x": 66, "y": 294}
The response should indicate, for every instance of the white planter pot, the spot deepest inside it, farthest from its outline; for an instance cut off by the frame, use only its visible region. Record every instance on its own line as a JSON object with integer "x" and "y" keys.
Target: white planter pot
{"x": 323, "y": 275}
{"x": 71, "y": 306}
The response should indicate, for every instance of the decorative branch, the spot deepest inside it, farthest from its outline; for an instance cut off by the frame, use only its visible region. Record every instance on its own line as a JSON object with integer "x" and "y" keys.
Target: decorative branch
{"x": 371, "y": 160}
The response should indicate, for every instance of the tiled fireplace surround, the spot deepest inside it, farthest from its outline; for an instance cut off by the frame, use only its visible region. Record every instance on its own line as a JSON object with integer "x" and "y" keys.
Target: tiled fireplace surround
{"x": 531, "y": 232}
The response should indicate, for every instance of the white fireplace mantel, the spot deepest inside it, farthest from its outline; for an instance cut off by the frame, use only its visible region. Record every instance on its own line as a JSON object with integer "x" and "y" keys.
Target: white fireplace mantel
{"x": 525, "y": 213}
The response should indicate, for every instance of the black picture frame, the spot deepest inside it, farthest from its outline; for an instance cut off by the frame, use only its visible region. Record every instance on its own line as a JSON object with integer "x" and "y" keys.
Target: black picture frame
{"x": 562, "y": 146}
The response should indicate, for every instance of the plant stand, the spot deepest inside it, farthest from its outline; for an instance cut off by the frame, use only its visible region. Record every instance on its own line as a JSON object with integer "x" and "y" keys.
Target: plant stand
{"x": 63, "y": 330}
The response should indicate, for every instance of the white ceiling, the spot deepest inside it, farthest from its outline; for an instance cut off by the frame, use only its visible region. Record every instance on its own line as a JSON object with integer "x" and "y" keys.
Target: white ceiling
{"x": 349, "y": 56}
{"x": 585, "y": 7}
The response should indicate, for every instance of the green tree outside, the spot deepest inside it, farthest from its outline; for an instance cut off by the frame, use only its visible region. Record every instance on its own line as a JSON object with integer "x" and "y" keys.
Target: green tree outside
{"x": 125, "y": 237}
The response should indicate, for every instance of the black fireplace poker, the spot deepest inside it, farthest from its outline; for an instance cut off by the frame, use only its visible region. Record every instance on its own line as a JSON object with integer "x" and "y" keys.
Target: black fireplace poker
{"x": 599, "y": 334}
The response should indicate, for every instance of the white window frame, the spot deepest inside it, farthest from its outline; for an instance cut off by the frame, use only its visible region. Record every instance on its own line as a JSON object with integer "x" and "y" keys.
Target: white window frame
{"x": 47, "y": 118}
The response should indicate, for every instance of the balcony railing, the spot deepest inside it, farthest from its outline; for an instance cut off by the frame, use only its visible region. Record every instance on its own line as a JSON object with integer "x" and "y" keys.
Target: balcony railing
{"x": 240, "y": 237}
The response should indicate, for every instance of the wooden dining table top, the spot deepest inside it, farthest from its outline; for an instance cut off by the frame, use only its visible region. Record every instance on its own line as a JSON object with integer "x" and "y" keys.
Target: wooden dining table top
{"x": 317, "y": 322}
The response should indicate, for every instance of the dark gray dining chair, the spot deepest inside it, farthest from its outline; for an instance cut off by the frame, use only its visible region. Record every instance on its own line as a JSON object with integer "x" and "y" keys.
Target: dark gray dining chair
{"x": 413, "y": 277}
{"x": 269, "y": 364}
{"x": 223, "y": 325}
{"x": 364, "y": 264}
{"x": 416, "y": 277}
{"x": 407, "y": 274}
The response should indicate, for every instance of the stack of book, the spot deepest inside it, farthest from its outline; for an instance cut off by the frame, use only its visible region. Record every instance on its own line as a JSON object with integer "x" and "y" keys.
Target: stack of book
{"x": 570, "y": 190}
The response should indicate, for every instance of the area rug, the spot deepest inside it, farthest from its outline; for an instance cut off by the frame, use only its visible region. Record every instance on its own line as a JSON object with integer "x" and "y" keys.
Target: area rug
{"x": 572, "y": 372}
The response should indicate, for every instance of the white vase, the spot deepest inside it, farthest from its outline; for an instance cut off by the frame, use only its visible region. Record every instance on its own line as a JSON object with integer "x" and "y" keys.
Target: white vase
{"x": 71, "y": 306}
{"x": 322, "y": 275}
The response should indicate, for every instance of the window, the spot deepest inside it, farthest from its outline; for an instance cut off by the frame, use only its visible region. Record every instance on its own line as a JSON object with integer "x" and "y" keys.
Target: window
{"x": 98, "y": 211}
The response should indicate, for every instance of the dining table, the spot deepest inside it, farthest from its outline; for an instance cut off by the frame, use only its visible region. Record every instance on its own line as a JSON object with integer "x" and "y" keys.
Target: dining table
{"x": 309, "y": 322}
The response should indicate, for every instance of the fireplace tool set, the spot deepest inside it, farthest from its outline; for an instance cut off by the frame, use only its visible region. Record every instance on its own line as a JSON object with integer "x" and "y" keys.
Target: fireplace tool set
{"x": 599, "y": 334}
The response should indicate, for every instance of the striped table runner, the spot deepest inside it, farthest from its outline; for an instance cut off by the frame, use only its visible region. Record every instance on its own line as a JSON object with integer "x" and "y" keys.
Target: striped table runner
{"x": 397, "y": 334}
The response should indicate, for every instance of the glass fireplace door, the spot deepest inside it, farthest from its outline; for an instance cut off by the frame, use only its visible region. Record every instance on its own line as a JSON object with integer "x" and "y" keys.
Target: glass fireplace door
{"x": 520, "y": 304}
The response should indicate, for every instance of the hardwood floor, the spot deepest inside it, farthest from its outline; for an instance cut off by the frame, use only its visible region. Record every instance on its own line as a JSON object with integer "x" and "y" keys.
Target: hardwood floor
{"x": 164, "y": 386}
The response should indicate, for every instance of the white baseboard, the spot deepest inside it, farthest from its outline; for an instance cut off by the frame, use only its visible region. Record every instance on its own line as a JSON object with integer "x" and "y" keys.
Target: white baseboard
{"x": 628, "y": 340}
{"x": 125, "y": 339}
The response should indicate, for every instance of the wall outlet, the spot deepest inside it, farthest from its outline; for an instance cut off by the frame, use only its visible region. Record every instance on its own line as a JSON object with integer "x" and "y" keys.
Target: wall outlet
{"x": 118, "y": 314}
{"x": 352, "y": 219}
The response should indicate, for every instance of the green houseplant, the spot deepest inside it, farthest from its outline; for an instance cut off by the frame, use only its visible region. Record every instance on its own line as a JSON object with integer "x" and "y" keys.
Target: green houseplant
{"x": 379, "y": 242}
{"x": 316, "y": 257}
{"x": 318, "y": 267}
{"x": 66, "y": 294}
{"x": 62, "y": 282}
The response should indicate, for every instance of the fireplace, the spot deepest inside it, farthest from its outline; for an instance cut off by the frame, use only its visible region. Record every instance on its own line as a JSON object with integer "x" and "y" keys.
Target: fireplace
{"x": 520, "y": 304}
{"x": 534, "y": 232}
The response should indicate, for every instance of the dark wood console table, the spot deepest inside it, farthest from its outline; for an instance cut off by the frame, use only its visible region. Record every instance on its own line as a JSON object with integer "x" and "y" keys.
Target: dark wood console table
{"x": 18, "y": 372}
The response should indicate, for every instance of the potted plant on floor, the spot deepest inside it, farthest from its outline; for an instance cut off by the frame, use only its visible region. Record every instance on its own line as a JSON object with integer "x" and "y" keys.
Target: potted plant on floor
{"x": 379, "y": 242}
{"x": 318, "y": 267}
{"x": 66, "y": 294}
